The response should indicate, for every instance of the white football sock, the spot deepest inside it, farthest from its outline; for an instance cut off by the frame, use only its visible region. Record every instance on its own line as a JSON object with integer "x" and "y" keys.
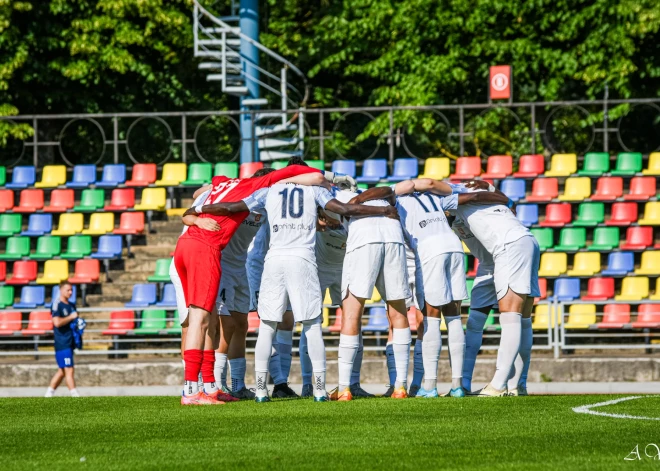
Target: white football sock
{"x": 391, "y": 366}
{"x": 316, "y": 349}
{"x": 401, "y": 340}
{"x": 357, "y": 364}
{"x": 305, "y": 362}
{"x": 431, "y": 351}
{"x": 509, "y": 346}
{"x": 190, "y": 388}
{"x": 50, "y": 392}
{"x": 262, "y": 355}
{"x": 274, "y": 365}
{"x": 474, "y": 334}
{"x": 284, "y": 339}
{"x": 521, "y": 365}
{"x": 220, "y": 369}
{"x": 348, "y": 347}
{"x": 237, "y": 366}
{"x": 74, "y": 392}
{"x": 418, "y": 364}
{"x": 456, "y": 343}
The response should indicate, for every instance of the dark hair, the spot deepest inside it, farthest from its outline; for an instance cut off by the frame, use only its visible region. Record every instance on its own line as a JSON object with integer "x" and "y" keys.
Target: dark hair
{"x": 262, "y": 171}
{"x": 64, "y": 283}
{"x": 296, "y": 161}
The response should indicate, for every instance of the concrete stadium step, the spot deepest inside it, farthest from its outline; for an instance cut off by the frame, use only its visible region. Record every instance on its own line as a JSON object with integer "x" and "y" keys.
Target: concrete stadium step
{"x": 102, "y": 300}
{"x": 151, "y": 251}
{"x": 163, "y": 238}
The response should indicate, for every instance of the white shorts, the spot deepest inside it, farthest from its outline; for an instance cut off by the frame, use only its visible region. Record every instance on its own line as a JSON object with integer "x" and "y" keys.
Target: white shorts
{"x": 415, "y": 281}
{"x": 289, "y": 279}
{"x": 181, "y": 305}
{"x": 483, "y": 290}
{"x": 444, "y": 279}
{"x": 517, "y": 267}
{"x": 330, "y": 279}
{"x": 234, "y": 291}
{"x": 382, "y": 265}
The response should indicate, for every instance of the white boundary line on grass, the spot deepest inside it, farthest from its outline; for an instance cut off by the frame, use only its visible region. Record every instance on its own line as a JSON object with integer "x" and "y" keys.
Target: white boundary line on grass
{"x": 588, "y": 409}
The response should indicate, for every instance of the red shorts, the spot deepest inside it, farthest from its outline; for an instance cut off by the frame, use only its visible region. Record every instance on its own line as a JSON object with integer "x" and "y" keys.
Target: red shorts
{"x": 198, "y": 266}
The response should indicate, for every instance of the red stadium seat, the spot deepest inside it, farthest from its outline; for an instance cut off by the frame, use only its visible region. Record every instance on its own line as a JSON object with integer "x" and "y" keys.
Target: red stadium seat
{"x": 6, "y": 200}
{"x": 499, "y": 166}
{"x": 253, "y": 322}
{"x": 615, "y": 316}
{"x": 61, "y": 200}
{"x": 648, "y": 317}
{"x": 10, "y": 322}
{"x": 30, "y": 201}
{"x": 120, "y": 323}
{"x": 248, "y": 169}
{"x": 638, "y": 238}
{"x": 336, "y": 327}
{"x": 466, "y": 168}
{"x": 24, "y": 272}
{"x": 3, "y": 270}
{"x": 473, "y": 272}
{"x": 39, "y": 323}
{"x": 86, "y": 271}
{"x": 543, "y": 288}
{"x": 143, "y": 175}
{"x": 130, "y": 224}
{"x": 121, "y": 200}
{"x": 641, "y": 189}
{"x": 623, "y": 214}
{"x": 530, "y": 166}
{"x": 608, "y": 189}
{"x": 557, "y": 215}
{"x": 599, "y": 289}
{"x": 544, "y": 189}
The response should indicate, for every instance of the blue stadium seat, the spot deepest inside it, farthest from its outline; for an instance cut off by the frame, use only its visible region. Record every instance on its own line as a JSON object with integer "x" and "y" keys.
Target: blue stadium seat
{"x": 404, "y": 169}
{"x": 55, "y": 294}
{"x": 619, "y": 264}
{"x": 169, "y": 296}
{"x": 31, "y": 297}
{"x": 347, "y": 167}
{"x": 567, "y": 289}
{"x": 513, "y": 188}
{"x": 22, "y": 177}
{"x": 528, "y": 214}
{"x": 113, "y": 175}
{"x": 143, "y": 295}
{"x": 377, "y": 320}
{"x": 83, "y": 176}
{"x": 38, "y": 225}
{"x": 373, "y": 170}
{"x": 110, "y": 246}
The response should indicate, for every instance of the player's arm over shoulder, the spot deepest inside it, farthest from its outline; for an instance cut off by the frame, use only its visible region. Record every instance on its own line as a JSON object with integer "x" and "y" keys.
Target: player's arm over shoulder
{"x": 359, "y": 210}
{"x": 377, "y": 193}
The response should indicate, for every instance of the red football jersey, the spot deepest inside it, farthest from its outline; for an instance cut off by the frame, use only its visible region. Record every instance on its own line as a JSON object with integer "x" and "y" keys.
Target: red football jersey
{"x": 232, "y": 190}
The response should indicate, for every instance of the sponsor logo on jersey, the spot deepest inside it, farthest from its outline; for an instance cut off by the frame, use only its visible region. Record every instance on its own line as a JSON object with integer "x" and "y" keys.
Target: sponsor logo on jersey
{"x": 426, "y": 222}
{"x": 293, "y": 226}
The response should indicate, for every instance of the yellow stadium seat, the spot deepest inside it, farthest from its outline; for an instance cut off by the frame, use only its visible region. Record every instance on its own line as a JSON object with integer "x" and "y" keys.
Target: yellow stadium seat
{"x": 653, "y": 167}
{"x": 650, "y": 264}
{"x": 656, "y": 296}
{"x": 326, "y": 318}
{"x": 553, "y": 264}
{"x": 585, "y": 264}
{"x": 100, "y": 223}
{"x": 436, "y": 168}
{"x": 52, "y": 176}
{"x": 152, "y": 199}
{"x": 651, "y": 214}
{"x": 581, "y": 316}
{"x": 375, "y": 297}
{"x": 562, "y": 165}
{"x": 542, "y": 319}
{"x": 633, "y": 288}
{"x": 465, "y": 248}
{"x": 173, "y": 175}
{"x": 327, "y": 300}
{"x": 55, "y": 271}
{"x": 443, "y": 324}
{"x": 69, "y": 224}
{"x": 175, "y": 212}
{"x": 576, "y": 189}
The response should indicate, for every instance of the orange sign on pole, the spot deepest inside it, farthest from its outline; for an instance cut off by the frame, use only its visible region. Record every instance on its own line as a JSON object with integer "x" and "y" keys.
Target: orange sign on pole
{"x": 500, "y": 87}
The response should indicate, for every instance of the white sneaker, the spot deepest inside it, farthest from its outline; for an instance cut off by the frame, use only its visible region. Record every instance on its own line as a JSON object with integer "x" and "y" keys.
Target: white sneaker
{"x": 489, "y": 391}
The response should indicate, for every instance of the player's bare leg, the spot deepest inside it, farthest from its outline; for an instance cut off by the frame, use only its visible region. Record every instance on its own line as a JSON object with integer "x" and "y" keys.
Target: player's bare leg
{"x": 401, "y": 340}
{"x": 70, "y": 380}
{"x": 517, "y": 384}
{"x": 456, "y": 343}
{"x": 280, "y": 363}
{"x": 55, "y": 382}
{"x": 349, "y": 342}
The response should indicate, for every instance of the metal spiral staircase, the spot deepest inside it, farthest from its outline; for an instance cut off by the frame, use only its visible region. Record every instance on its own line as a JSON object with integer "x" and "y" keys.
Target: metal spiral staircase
{"x": 280, "y": 134}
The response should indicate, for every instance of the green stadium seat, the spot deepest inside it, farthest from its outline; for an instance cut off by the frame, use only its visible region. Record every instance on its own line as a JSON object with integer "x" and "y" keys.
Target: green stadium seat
{"x": 78, "y": 246}
{"x": 595, "y": 164}
{"x": 151, "y": 322}
{"x": 320, "y": 164}
{"x": 3, "y": 175}
{"x": 628, "y": 163}
{"x": 198, "y": 174}
{"x": 469, "y": 283}
{"x": 10, "y": 224}
{"x": 226, "y": 169}
{"x": 605, "y": 239}
{"x": 278, "y": 164}
{"x": 572, "y": 239}
{"x": 544, "y": 236}
{"x": 162, "y": 271}
{"x": 47, "y": 248}
{"x": 175, "y": 329}
{"x": 590, "y": 214}
{"x": 92, "y": 199}
{"x": 17, "y": 247}
{"x": 490, "y": 320}
{"x": 6, "y": 296}
{"x": 363, "y": 186}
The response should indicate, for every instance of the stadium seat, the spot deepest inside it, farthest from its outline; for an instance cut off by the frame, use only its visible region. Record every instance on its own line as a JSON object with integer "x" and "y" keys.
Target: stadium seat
{"x": 91, "y": 200}
{"x": 557, "y": 215}
{"x": 562, "y": 165}
{"x": 3, "y": 270}
{"x": 6, "y": 296}
{"x": 595, "y": 164}
{"x": 545, "y": 237}
{"x": 61, "y": 200}
{"x": 52, "y": 176}
{"x": 3, "y": 175}
{"x": 608, "y": 189}
{"x": 248, "y": 169}
{"x": 55, "y": 294}
{"x": 373, "y": 170}
{"x": 543, "y": 288}
{"x": 513, "y": 188}
{"x": 651, "y": 214}
{"x": 638, "y": 238}
{"x": 530, "y": 166}
{"x": 151, "y": 322}
{"x": 553, "y": 264}
{"x": 278, "y": 164}
{"x": 315, "y": 163}
{"x": 628, "y": 163}
{"x": 168, "y": 298}
{"x": 83, "y": 176}
{"x": 498, "y": 167}
{"x": 86, "y": 271}
{"x": 143, "y": 295}
{"x": 110, "y": 247}
{"x": 467, "y": 168}
{"x": 623, "y": 214}
{"x": 130, "y": 224}
{"x": 528, "y": 214}
{"x": 47, "y": 247}
{"x": 585, "y": 264}
{"x": 572, "y": 239}
{"x": 641, "y": 189}
{"x": 100, "y": 223}
{"x": 648, "y": 317}
{"x": 120, "y": 323}
{"x": 10, "y": 224}
{"x": 542, "y": 317}
{"x": 404, "y": 169}
{"x": 55, "y": 271}
{"x": 152, "y": 199}
{"x": 653, "y": 167}
{"x": 253, "y": 322}
{"x": 24, "y": 272}
{"x": 113, "y": 175}
{"x": 162, "y": 273}
{"x": 347, "y": 167}
{"x": 6, "y": 200}
{"x": 31, "y": 200}
{"x": 567, "y": 289}
{"x": 16, "y": 247}
{"x": 633, "y": 288}
{"x": 605, "y": 239}
{"x": 198, "y": 174}
{"x": 619, "y": 264}
{"x": 576, "y": 189}
{"x": 39, "y": 323}
{"x": 581, "y": 316}
{"x": 226, "y": 169}
{"x": 78, "y": 246}
{"x": 22, "y": 177}
{"x": 615, "y": 316}
{"x": 143, "y": 175}
{"x": 38, "y": 225}
{"x": 31, "y": 297}
{"x": 377, "y": 320}
{"x": 650, "y": 264}
{"x": 10, "y": 323}
{"x": 656, "y": 295}
{"x": 437, "y": 168}
{"x": 599, "y": 289}
{"x": 544, "y": 189}
{"x": 121, "y": 199}
{"x": 590, "y": 214}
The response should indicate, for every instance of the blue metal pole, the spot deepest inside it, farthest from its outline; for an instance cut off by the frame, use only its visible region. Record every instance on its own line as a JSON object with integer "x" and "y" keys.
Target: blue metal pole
{"x": 249, "y": 24}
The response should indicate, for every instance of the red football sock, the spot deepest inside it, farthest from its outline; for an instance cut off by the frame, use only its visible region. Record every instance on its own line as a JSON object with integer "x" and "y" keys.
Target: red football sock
{"x": 193, "y": 359}
{"x": 208, "y": 363}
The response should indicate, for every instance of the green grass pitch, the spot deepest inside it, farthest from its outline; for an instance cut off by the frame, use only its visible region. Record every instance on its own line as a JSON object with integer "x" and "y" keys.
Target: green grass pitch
{"x": 541, "y": 432}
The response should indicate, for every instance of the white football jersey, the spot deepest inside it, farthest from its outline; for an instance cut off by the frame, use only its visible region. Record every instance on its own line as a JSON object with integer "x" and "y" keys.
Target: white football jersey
{"x": 292, "y": 217}
{"x": 331, "y": 246}
{"x": 258, "y": 249}
{"x": 199, "y": 200}
{"x": 235, "y": 253}
{"x": 476, "y": 248}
